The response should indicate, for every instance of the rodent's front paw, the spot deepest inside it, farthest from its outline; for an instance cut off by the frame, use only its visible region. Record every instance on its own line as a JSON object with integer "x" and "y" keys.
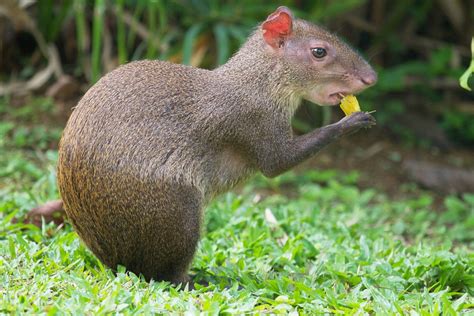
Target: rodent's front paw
{"x": 356, "y": 121}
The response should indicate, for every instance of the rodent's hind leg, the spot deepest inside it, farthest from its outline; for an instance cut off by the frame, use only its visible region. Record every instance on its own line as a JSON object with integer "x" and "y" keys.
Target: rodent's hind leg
{"x": 170, "y": 234}
{"x": 180, "y": 278}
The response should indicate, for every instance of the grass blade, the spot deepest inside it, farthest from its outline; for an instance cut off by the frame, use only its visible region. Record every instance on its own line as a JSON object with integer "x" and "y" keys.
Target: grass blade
{"x": 97, "y": 27}
{"x": 222, "y": 43}
{"x": 151, "y": 19}
{"x": 81, "y": 31}
{"x": 189, "y": 40}
{"x": 121, "y": 36}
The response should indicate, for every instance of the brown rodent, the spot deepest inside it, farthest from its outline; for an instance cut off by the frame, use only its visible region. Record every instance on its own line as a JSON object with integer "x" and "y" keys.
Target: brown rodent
{"x": 152, "y": 142}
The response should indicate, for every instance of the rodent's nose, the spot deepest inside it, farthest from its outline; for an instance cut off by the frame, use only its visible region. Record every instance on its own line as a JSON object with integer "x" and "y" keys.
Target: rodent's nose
{"x": 369, "y": 78}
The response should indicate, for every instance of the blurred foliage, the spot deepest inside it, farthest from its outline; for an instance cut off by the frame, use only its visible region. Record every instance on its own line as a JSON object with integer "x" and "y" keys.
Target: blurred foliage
{"x": 459, "y": 126}
{"x": 420, "y": 48}
{"x": 27, "y": 127}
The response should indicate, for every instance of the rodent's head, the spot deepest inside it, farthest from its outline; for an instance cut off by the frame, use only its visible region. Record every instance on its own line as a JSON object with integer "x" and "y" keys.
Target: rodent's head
{"x": 319, "y": 65}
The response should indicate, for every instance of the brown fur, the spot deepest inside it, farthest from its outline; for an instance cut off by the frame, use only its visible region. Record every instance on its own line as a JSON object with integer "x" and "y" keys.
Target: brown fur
{"x": 152, "y": 142}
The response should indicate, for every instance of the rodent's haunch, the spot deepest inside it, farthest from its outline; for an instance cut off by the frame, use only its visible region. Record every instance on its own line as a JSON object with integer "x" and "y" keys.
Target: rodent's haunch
{"x": 152, "y": 142}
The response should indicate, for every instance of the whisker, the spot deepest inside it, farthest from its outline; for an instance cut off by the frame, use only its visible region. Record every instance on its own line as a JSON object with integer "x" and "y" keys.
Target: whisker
{"x": 330, "y": 74}
{"x": 334, "y": 76}
{"x": 374, "y": 53}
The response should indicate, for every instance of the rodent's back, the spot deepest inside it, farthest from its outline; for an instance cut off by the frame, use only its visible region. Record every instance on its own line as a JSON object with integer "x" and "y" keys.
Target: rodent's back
{"x": 137, "y": 119}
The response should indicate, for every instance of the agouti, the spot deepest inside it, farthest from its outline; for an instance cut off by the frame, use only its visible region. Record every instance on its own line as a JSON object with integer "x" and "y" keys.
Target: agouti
{"x": 151, "y": 143}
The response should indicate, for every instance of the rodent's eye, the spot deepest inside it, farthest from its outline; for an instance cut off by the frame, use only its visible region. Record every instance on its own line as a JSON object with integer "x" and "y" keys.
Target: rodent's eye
{"x": 319, "y": 52}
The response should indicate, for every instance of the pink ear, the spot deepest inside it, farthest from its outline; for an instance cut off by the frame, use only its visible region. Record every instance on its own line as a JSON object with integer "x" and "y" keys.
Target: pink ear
{"x": 277, "y": 26}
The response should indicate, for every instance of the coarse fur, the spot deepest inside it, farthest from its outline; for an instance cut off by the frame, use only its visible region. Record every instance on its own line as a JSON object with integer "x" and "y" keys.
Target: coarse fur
{"x": 151, "y": 143}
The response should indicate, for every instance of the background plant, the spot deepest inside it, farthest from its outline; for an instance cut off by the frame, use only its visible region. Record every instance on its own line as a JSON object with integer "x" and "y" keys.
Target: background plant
{"x": 419, "y": 48}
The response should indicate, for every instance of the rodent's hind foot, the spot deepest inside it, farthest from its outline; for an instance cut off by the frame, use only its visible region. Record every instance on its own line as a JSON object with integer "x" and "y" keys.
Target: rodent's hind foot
{"x": 183, "y": 282}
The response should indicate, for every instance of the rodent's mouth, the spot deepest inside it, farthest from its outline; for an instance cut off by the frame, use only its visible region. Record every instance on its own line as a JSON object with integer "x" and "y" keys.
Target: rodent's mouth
{"x": 335, "y": 98}
{"x": 327, "y": 98}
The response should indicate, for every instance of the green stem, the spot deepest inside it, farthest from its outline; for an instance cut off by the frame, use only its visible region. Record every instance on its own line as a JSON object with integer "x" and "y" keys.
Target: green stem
{"x": 97, "y": 27}
{"x": 121, "y": 36}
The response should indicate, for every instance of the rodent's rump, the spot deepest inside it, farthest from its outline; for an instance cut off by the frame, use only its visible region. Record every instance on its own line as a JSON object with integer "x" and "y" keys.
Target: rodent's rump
{"x": 152, "y": 142}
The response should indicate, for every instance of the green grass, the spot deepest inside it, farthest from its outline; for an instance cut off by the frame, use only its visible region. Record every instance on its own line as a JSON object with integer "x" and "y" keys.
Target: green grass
{"x": 348, "y": 251}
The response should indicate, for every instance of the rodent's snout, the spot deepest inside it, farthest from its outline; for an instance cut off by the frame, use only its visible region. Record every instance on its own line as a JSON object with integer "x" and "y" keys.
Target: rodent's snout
{"x": 369, "y": 78}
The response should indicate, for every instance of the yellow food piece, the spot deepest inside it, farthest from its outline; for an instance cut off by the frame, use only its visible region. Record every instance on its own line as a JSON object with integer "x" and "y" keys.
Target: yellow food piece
{"x": 349, "y": 104}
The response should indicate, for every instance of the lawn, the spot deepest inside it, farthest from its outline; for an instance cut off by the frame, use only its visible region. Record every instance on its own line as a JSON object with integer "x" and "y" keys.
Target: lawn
{"x": 307, "y": 243}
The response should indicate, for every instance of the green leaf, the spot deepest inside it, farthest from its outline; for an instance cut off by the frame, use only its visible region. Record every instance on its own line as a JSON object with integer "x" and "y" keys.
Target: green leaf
{"x": 464, "y": 79}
